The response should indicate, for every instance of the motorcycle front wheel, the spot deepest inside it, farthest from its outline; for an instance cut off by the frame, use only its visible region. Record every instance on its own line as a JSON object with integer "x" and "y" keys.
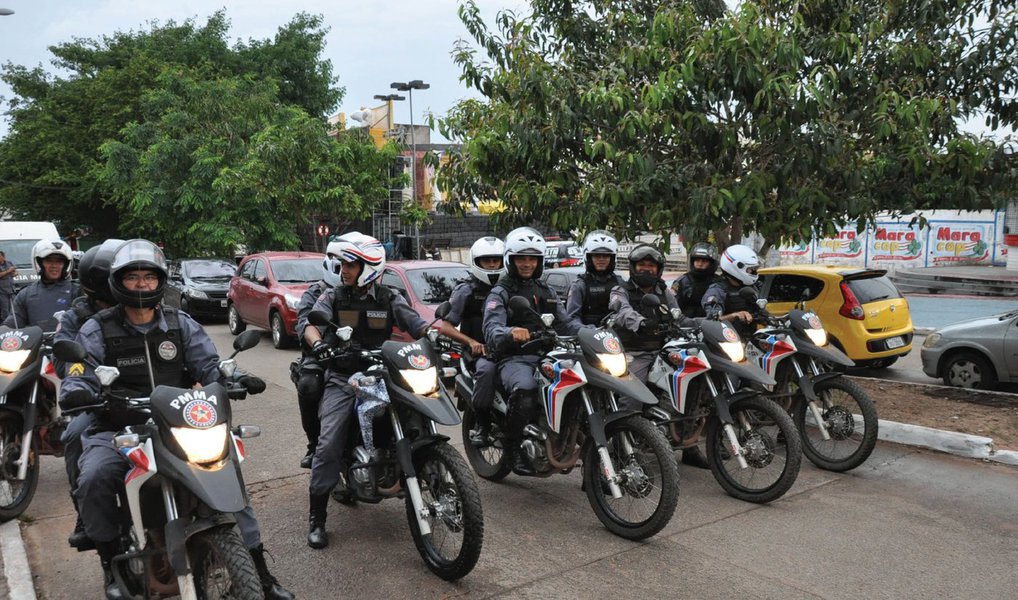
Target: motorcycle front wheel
{"x": 771, "y": 446}
{"x": 454, "y": 512}
{"x": 648, "y": 476}
{"x": 851, "y": 420}
{"x": 490, "y": 462}
{"x": 15, "y": 494}
{"x": 222, "y": 567}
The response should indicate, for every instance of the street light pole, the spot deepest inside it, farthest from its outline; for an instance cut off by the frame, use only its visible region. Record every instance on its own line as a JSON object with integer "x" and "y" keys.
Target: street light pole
{"x": 4, "y": 12}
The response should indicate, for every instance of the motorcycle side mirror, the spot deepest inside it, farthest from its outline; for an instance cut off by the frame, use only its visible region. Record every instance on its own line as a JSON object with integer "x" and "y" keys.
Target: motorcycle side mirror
{"x": 69, "y": 351}
{"x": 320, "y": 318}
{"x": 443, "y": 310}
{"x": 519, "y": 303}
{"x": 650, "y": 301}
{"x": 246, "y": 340}
{"x": 749, "y": 294}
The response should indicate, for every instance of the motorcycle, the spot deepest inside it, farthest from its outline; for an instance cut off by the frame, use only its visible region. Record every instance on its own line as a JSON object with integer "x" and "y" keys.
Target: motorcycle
{"x": 31, "y": 422}
{"x": 702, "y": 377}
{"x": 836, "y": 418}
{"x": 398, "y": 453}
{"x": 629, "y": 472}
{"x": 184, "y": 485}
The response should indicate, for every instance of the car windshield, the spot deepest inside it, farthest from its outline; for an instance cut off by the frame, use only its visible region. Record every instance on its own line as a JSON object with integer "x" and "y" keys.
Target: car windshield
{"x": 873, "y": 289}
{"x": 434, "y": 286}
{"x": 19, "y": 252}
{"x": 301, "y": 270}
{"x": 209, "y": 269}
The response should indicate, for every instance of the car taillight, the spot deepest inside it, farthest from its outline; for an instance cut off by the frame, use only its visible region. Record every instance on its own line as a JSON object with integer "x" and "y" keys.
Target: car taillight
{"x": 851, "y": 307}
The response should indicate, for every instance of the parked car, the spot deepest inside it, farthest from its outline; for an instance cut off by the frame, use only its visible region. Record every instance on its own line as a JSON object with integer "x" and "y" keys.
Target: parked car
{"x": 266, "y": 290}
{"x": 424, "y": 283}
{"x": 563, "y": 253}
{"x": 975, "y": 353}
{"x": 198, "y": 286}
{"x": 863, "y": 312}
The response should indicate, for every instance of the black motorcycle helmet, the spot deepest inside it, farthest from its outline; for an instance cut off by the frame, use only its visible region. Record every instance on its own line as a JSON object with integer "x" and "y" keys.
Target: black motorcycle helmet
{"x": 131, "y": 256}
{"x": 94, "y": 271}
{"x": 705, "y": 251}
{"x": 639, "y": 253}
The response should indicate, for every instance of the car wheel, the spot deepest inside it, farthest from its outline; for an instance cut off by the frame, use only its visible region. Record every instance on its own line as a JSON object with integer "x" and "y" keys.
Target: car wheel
{"x": 969, "y": 370}
{"x": 237, "y": 326}
{"x": 280, "y": 339}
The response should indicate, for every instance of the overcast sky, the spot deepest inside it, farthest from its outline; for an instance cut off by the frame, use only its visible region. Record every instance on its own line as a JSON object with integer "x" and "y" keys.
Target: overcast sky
{"x": 371, "y": 43}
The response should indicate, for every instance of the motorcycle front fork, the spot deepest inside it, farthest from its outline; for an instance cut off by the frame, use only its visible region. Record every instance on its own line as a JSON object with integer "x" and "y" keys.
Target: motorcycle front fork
{"x": 27, "y": 429}
{"x": 729, "y": 428}
{"x": 185, "y": 582}
{"x": 410, "y": 474}
{"x": 601, "y": 439}
{"x": 812, "y": 402}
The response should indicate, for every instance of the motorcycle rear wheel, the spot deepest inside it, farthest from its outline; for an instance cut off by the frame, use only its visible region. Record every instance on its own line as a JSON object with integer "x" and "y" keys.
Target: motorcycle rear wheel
{"x": 222, "y": 567}
{"x": 15, "y": 494}
{"x": 851, "y": 443}
{"x": 775, "y": 451}
{"x": 650, "y": 480}
{"x": 490, "y": 462}
{"x": 455, "y": 516}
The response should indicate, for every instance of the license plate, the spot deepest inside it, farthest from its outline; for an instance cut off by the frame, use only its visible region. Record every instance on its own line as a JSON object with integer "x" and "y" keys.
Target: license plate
{"x": 222, "y": 303}
{"x": 895, "y": 342}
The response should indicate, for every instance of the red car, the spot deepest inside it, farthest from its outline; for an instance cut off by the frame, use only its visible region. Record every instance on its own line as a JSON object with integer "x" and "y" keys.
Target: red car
{"x": 266, "y": 290}
{"x": 424, "y": 283}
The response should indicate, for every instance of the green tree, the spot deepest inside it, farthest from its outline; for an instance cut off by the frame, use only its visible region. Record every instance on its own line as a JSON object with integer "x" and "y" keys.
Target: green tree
{"x": 784, "y": 117}
{"x": 50, "y": 162}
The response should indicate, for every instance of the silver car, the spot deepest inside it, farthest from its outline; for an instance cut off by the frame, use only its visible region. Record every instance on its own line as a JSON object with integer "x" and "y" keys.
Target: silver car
{"x": 976, "y": 353}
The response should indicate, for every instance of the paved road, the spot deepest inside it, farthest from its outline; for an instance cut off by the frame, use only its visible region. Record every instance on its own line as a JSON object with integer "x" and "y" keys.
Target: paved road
{"x": 908, "y": 523}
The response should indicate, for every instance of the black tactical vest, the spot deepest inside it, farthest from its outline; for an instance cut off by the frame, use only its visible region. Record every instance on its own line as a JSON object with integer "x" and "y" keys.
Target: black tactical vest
{"x": 133, "y": 353}
{"x": 541, "y": 299}
{"x": 473, "y": 312}
{"x": 372, "y": 320}
{"x": 735, "y": 302}
{"x": 691, "y": 289}
{"x": 598, "y": 293}
{"x": 630, "y": 339}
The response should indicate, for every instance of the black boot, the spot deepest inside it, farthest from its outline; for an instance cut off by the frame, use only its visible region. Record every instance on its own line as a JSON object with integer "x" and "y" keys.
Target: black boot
{"x": 694, "y": 458}
{"x": 271, "y": 587}
{"x": 516, "y": 421}
{"x": 317, "y": 538}
{"x": 480, "y": 435}
{"x": 106, "y": 551}
{"x": 305, "y": 463}
{"x": 342, "y": 492}
{"x": 78, "y": 538}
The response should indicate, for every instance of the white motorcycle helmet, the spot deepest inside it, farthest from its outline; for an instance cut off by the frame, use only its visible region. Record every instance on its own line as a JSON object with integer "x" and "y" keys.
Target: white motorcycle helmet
{"x": 46, "y": 248}
{"x": 487, "y": 247}
{"x": 741, "y": 263}
{"x": 332, "y": 265}
{"x": 524, "y": 241}
{"x": 368, "y": 251}
{"x": 599, "y": 242}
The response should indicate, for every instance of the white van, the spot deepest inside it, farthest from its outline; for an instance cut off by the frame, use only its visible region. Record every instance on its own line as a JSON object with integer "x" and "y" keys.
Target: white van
{"x": 17, "y": 239}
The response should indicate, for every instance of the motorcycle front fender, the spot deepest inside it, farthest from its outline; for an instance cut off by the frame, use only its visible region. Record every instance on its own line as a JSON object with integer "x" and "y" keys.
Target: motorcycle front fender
{"x": 744, "y": 370}
{"x": 222, "y": 490}
{"x": 627, "y": 385}
{"x": 723, "y": 402}
{"x": 438, "y": 408}
{"x": 178, "y": 531}
{"x": 828, "y": 353}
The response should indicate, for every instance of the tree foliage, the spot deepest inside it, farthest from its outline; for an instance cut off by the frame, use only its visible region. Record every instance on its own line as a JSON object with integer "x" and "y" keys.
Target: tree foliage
{"x": 176, "y": 135}
{"x": 780, "y": 116}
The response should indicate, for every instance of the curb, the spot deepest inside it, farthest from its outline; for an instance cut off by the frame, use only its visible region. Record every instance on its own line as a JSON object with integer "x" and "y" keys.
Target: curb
{"x": 951, "y": 442}
{"x": 15, "y": 560}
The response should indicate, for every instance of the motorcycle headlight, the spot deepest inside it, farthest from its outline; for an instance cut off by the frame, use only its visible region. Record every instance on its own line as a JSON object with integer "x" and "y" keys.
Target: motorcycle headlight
{"x": 817, "y": 336}
{"x": 202, "y": 446}
{"x": 292, "y": 301}
{"x": 931, "y": 340}
{"x": 197, "y": 294}
{"x": 735, "y": 350}
{"x": 421, "y": 381}
{"x": 13, "y": 360}
{"x": 615, "y": 364}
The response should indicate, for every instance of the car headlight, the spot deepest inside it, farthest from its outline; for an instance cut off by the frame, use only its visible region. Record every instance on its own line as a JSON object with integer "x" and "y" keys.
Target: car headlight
{"x": 292, "y": 301}
{"x": 13, "y": 360}
{"x": 421, "y": 381}
{"x": 615, "y": 364}
{"x": 817, "y": 336}
{"x": 202, "y": 446}
{"x": 197, "y": 294}
{"x": 931, "y": 340}
{"x": 735, "y": 350}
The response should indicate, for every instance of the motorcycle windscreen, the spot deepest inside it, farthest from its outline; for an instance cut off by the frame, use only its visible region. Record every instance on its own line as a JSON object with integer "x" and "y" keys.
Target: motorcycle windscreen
{"x": 19, "y": 349}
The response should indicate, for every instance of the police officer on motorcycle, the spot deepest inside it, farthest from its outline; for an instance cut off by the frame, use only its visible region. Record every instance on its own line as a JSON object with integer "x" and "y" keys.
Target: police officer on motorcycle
{"x": 93, "y": 278}
{"x": 308, "y": 373}
{"x": 371, "y": 309}
{"x": 151, "y": 345}
{"x": 638, "y": 326}
{"x": 739, "y": 265}
{"x": 37, "y": 303}
{"x": 589, "y": 294}
{"x": 690, "y": 288}
{"x": 467, "y": 312}
{"x": 506, "y": 333}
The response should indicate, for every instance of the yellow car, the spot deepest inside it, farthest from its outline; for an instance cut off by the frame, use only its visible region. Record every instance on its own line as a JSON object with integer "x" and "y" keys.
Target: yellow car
{"x": 864, "y": 313}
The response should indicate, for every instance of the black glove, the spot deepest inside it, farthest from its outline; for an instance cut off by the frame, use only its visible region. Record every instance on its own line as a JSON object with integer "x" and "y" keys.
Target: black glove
{"x": 253, "y": 385}
{"x": 76, "y": 399}
{"x": 648, "y": 327}
{"x": 321, "y": 350}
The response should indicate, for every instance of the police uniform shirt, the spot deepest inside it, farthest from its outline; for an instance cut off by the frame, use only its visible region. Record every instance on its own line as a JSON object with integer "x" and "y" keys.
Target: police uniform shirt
{"x": 576, "y": 298}
{"x": 458, "y": 301}
{"x": 307, "y": 304}
{"x": 70, "y": 323}
{"x": 406, "y": 317}
{"x": 200, "y": 356}
{"x": 496, "y": 315}
{"x": 36, "y": 303}
{"x": 628, "y": 317}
